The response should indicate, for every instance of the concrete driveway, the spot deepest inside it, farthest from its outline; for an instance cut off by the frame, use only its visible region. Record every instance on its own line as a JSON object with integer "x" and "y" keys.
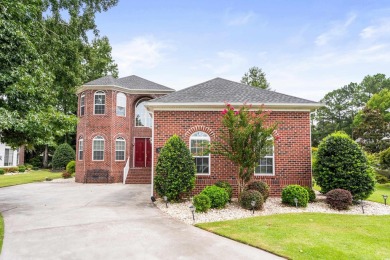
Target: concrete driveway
{"x": 53, "y": 220}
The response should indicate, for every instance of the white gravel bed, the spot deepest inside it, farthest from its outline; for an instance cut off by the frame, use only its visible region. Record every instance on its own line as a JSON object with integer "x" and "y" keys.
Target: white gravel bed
{"x": 63, "y": 180}
{"x": 181, "y": 211}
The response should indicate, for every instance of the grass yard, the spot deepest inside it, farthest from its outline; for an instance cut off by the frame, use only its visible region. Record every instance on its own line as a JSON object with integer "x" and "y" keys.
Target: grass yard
{"x": 1, "y": 232}
{"x": 311, "y": 235}
{"x": 28, "y": 177}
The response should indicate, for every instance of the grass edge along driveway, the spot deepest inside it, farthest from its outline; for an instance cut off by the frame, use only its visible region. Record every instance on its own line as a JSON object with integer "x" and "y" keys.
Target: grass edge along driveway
{"x": 27, "y": 177}
{"x": 1, "y": 232}
{"x": 311, "y": 235}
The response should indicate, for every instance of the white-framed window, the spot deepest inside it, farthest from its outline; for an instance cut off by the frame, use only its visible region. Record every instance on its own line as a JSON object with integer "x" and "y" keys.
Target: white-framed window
{"x": 199, "y": 142}
{"x": 8, "y": 157}
{"x": 120, "y": 148}
{"x": 98, "y": 148}
{"x": 142, "y": 116}
{"x": 267, "y": 163}
{"x": 99, "y": 103}
{"x": 120, "y": 104}
{"x": 81, "y": 149}
{"x": 82, "y": 104}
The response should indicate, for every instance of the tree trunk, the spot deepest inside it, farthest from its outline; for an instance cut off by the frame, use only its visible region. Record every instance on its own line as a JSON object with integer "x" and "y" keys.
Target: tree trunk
{"x": 46, "y": 157}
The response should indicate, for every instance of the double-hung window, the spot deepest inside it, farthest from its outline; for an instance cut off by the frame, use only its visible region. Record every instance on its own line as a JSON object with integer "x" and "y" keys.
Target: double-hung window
{"x": 98, "y": 148}
{"x": 120, "y": 104}
{"x": 267, "y": 163}
{"x": 199, "y": 144}
{"x": 82, "y": 104}
{"x": 81, "y": 149}
{"x": 120, "y": 148}
{"x": 100, "y": 103}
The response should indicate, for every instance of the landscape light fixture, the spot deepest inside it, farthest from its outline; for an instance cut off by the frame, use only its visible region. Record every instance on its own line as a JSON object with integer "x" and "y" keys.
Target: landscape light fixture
{"x": 166, "y": 201}
{"x": 296, "y": 202}
{"x": 385, "y": 198}
{"x": 253, "y": 204}
{"x": 362, "y": 204}
{"x": 153, "y": 199}
{"x": 192, "y": 208}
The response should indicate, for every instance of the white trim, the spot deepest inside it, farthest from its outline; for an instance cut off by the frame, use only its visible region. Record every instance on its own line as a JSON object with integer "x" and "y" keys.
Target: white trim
{"x": 152, "y": 164}
{"x": 120, "y": 94}
{"x": 104, "y": 147}
{"x": 208, "y": 156}
{"x": 124, "y": 155}
{"x": 141, "y": 100}
{"x": 273, "y": 164}
{"x": 123, "y": 89}
{"x": 94, "y": 108}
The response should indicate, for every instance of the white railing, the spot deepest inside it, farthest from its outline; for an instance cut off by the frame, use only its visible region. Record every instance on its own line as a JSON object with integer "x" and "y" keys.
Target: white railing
{"x": 126, "y": 170}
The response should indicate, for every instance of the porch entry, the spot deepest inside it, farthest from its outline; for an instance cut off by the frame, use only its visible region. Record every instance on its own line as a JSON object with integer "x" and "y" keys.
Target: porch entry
{"x": 143, "y": 152}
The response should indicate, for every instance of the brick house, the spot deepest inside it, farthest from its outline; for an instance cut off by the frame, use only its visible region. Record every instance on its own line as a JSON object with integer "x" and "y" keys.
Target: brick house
{"x": 194, "y": 114}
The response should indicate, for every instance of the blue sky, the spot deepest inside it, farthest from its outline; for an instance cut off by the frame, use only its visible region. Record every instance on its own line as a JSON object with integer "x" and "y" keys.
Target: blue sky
{"x": 306, "y": 48}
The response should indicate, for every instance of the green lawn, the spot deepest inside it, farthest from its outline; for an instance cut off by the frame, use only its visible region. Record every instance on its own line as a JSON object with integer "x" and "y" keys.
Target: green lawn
{"x": 380, "y": 189}
{"x": 31, "y": 176}
{"x": 311, "y": 235}
{"x": 1, "y": 232}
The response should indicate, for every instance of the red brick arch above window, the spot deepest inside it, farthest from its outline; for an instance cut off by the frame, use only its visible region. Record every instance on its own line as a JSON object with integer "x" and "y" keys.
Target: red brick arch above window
{"x": 202, "y": 128}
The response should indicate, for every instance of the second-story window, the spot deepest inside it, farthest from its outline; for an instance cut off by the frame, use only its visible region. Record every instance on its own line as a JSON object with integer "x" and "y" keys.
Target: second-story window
{"x": 142, "y": 116}
{"x": 120, "y": 104}
{"x": 82, "y": 104}
{"x": 100, "y": 103}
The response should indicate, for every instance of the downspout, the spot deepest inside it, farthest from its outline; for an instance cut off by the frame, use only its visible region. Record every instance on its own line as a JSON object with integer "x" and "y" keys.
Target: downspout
{"x": 152, "y": 172}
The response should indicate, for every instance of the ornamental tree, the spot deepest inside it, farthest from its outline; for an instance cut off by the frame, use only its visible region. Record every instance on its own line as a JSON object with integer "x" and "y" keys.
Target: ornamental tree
{"x": 244, "y": 139}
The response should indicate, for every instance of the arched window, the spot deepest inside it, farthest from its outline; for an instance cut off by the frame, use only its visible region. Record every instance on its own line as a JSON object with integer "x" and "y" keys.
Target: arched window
{"x": 98, "y": 148}
{"x": 120, "y": 149}
{"x": 81, "y": 148}
{"x": 100, "y": 103}
{"x": 199, "y": 142}
{"x": 120, "y": 104}
{"x": 82, "y": 104}
{"x": 267, "y": 163}
{"x": 142, "y": 116}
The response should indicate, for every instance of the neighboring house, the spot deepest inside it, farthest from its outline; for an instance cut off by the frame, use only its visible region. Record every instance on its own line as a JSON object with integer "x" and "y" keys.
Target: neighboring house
{"x": 195, "y": 115}
{"x": 11, "y": 157}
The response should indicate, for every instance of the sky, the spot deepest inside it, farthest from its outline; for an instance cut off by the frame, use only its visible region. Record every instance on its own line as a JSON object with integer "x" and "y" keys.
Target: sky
{"x": 306, "y": 48}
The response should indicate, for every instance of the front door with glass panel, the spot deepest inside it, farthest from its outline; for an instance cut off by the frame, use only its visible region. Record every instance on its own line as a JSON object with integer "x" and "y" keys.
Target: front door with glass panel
{"x": 143, "y": 152}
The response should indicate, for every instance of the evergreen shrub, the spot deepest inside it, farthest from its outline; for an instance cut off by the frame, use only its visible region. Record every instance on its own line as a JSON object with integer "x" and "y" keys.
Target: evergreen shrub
{"x": 295, "y": 191}
{"x": 218, "y": 196}
{"x": 62, "y": 156}
{"x": 247, "y": 196}
{"x": 202, "y": 203}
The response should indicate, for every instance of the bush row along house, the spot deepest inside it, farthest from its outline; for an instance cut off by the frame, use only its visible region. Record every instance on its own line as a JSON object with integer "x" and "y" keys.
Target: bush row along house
{"x": 123, "y": 124}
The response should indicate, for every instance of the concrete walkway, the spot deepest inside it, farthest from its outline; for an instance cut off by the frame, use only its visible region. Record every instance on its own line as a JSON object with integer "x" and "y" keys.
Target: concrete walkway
{"x": 96, "y": 221}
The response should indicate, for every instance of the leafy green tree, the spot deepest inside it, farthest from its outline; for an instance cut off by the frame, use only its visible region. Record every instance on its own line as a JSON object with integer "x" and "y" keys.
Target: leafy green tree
{"x": 244, "y": 139}
{"x": 255, "y": 77}
{"x": 342, "y": 164}
{"x": 379, "y": 101}
{"x": 175, "y": 170}
{"x": 372, "y": 85}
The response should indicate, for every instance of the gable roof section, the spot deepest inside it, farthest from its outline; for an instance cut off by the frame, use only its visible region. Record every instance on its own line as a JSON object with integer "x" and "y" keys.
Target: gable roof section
{"x": 129, "y": 84}
{"x": 217, "y": 91}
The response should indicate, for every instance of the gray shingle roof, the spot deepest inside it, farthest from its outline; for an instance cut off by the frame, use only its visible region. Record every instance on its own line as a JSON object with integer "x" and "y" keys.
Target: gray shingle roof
{"x": 221, "y": 90}
{"x": 131, "y": 82}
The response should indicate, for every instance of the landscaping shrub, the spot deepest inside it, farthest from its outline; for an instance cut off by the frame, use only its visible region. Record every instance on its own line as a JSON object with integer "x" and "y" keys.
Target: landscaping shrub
{"x": 341, "y": 164}
{"x": 21, "y": 169}
{"x": 71, "y": 167}
{"x": 175, "y": 170}
{"x": 66, "y": 175}
{"x": 202, "y": 203}
{"x": 248, "y": 196}
{"x": 2, "y": 171}
{"x": 28, "y": 166}
{"x": 62, "y": 156}
{"x": 295, "y": 191}
{"x": 218, "y": 196}
{"x": 226, "y": 185}
{"x": 261, "y": 187}
{"x": 381, "y": 179}
{"x": 312, "y": 194}
{"x": 384, "y": 159}
{"x": 36, "y": 161}
{"x": 339, "y": 199}
{"x": 35, "y": 168}
{"x": 12, "y": 169}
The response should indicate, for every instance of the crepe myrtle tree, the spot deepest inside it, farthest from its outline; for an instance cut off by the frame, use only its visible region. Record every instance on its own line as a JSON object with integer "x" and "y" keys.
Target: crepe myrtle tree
{"x": 244, "y": 139}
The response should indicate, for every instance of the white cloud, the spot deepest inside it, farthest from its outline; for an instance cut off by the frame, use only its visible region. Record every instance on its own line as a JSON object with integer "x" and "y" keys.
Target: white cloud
{"x": 337, "y": 30}
{"x": 238, "y": 19}
{"x": 143, "y": 52}
{"x": 382, "y": 29}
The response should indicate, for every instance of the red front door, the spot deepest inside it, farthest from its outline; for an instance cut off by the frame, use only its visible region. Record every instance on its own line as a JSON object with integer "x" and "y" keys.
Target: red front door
{"x": 143, "y": 152}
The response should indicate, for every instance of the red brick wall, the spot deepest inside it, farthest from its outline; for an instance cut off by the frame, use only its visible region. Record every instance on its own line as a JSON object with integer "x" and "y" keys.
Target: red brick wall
{"x": 292, "y": 151}
{"x": 110, "y": 126}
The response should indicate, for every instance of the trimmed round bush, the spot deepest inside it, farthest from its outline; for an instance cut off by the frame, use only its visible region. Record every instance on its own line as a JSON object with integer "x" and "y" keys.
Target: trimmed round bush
{"x": 66, "y": 175}
{"x": 226, "y": 185}
{"x": 21, "y": 168}
{"x": 35, "y": 168}
{"x": 384, "y": 158}
{"x": 2, "y": 171}
{"x": 381, "y": 179}
{"x": 342, "y": 164}
{"x": 218, "y": 196}
{"x": 71, "y": 167}
{"x": 339, "y": 199}
{"x": 261, "y": 187}
{"x": 312, "y": 194}
{"x": 295, "y": 191}
{"x": 202, "y": 203}
{"x": 247, "y": 196}
{"x": 62, "y": 156}
{"x": 175, "y": 170}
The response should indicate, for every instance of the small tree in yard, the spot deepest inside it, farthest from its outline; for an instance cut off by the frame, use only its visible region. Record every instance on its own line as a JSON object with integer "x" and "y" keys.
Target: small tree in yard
{"x": 244, "y": 139}
{"x": 342, "y": 164}
{"x": 175, "y": 170}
